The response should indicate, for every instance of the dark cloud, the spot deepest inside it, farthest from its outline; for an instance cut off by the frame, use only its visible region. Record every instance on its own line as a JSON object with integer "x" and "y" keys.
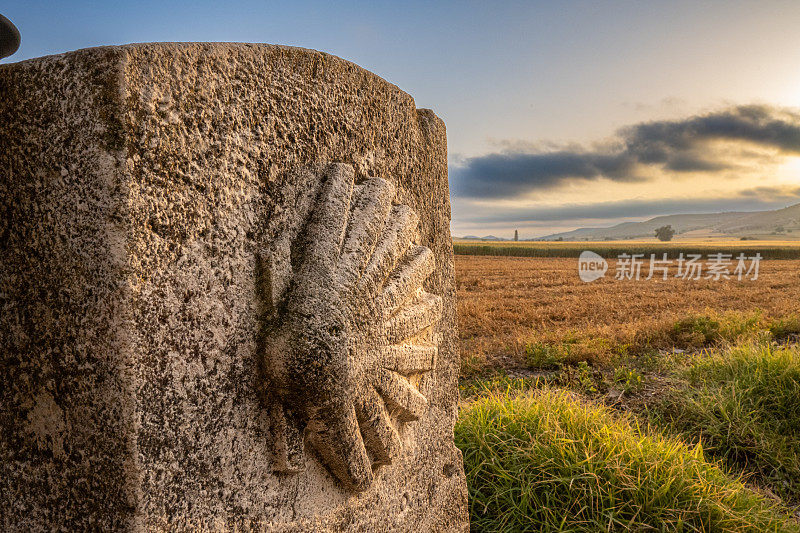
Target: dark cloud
{"x": 510, "y": 174}
{"x": 676, "y": 146}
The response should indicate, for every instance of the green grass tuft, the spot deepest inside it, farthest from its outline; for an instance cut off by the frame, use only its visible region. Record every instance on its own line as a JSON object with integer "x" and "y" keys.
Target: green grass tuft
{"x": 546, "y": 462}
{"x": 785, "y": 327}
{"x": 743, "y": 404}
{"x": 630, "y": 379}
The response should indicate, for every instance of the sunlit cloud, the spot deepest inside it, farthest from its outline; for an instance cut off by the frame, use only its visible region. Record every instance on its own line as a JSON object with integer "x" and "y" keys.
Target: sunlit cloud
{"x": 727, "y": 143}
{"x": 759, "y": 198}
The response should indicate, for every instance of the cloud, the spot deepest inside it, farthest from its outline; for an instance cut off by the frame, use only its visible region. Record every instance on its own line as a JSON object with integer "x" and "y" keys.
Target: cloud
{"x": 759, "y": 198}
{"x": 678, "y": 146}
{"x": 512, "y": 174}
{"x": 775, "y": 193}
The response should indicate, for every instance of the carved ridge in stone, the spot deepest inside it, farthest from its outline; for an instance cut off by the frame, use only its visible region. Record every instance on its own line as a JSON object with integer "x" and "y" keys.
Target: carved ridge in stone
{"x": 349, "y": 328}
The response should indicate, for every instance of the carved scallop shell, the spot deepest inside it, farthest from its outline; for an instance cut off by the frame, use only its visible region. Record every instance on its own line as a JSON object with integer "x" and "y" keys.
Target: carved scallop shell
{"x": 350, "y": 327}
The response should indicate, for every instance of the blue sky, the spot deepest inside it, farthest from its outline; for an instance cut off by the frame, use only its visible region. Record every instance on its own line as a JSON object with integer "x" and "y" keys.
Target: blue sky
{"x": 552, "y": 100}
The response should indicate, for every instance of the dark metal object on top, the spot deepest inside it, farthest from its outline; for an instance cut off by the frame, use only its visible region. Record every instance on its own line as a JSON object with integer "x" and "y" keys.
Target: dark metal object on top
{"x": 9, "y": 37}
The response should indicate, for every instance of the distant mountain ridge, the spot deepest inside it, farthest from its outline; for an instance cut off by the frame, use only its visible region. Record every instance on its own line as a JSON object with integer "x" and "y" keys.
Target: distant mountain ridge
{"x": 733, "y": 224}
{"x": 486, "y": 238}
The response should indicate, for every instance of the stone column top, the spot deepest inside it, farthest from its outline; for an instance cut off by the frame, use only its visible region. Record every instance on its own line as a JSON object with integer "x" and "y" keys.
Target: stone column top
{"x": 228, "y": 296}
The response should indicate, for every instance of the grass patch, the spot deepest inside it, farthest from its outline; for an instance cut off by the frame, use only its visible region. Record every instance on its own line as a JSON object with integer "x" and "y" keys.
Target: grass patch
{"x": 743, "y": 404}
{"x": 698, "y": 331}
{"x": 629, "y": 379}
{"x": 544, "y": 356}
{"x": 692, "y": 333}
{"x": 472, "y": 365}
{"x": 571, "y": 349}
{"x": 785, "y": 328}
{"x": 501, "y": 384}
{"x": 546, "y": 462}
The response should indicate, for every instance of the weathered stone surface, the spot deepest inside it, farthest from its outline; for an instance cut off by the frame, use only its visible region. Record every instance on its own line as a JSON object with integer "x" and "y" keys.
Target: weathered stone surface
{"x": 175, "y": 220}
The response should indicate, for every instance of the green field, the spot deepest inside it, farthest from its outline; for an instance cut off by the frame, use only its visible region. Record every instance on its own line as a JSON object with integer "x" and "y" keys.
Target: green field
{"x": 611, "y": 249}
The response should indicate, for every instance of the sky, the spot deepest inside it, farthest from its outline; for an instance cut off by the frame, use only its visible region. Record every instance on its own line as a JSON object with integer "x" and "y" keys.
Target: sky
{"x": 559, "y": 114}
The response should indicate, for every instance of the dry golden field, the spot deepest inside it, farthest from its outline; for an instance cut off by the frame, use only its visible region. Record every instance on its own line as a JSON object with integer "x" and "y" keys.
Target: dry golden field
{"x": 507, "y": 304}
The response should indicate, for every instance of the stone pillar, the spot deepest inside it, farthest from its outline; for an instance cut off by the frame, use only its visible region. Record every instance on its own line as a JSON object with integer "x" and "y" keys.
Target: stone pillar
{"x": 227, "y": 296}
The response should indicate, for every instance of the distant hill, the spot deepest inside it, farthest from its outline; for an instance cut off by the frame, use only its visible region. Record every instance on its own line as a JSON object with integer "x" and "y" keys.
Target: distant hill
{"x": 732, "y": 224}
{"x": 476, "y": 238}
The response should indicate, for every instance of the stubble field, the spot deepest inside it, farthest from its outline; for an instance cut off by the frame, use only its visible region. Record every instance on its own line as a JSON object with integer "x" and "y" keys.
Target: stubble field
{"x": 507, "y": 305}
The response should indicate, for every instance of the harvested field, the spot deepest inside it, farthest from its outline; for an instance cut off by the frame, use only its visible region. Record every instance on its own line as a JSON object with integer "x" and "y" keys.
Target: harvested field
{"x": 506, "y": 305}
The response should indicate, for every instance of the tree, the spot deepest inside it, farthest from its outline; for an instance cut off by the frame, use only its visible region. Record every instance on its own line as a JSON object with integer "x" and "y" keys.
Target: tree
{"x": 516, "y": 235}
{"x": 665, "y": 233}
